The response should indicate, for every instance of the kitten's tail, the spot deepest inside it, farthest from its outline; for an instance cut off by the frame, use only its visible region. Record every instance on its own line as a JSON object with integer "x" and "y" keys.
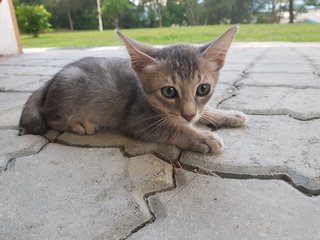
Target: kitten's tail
{"x": 31, "y": 121}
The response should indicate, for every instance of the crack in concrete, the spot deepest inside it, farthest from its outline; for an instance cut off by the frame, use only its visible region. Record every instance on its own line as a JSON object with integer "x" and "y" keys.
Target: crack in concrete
{"x": 303, "y": 87}
{"x": 11, "y": 162}
{"x": 282, "y": 72}
{"x": 309, "y": 60}
{"x": 242, "y": 77}
{"x": 3, "y": 90}
{"x": 9, "y": 127}
{"x": 285, "y": 176}
{"x": 146, "y": 199}
{"x": 282, "y": 114}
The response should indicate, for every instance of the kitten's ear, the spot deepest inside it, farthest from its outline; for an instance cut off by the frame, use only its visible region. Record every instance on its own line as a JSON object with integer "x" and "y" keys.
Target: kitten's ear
{"x": 141, "y": 55}
{"x": 216, "y": 51}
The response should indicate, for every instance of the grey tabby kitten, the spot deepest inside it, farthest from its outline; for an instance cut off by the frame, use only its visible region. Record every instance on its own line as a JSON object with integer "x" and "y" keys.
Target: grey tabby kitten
{"x": 158, "y": 95}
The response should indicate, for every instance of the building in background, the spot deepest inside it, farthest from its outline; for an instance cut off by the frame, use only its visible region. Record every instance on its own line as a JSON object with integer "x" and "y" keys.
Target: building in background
{"x": 9, "y": 32}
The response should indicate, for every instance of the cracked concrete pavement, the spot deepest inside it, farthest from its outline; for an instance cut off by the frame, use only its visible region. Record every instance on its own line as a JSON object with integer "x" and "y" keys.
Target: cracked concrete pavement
{"x": 263, "y": 185}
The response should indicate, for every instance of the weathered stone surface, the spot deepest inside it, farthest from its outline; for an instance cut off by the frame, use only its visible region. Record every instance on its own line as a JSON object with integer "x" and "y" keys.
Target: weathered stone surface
{"x": 235, "y": 66}
{"x": 229, "y": 77}
{"x": 204, "y": 207}
{"x": 28, "y": 70}
{"x": 131, "y": 147}
{"x": 221, "y": 93}
{"x": 14, "y": 146}
{"x": 68, "y": 192}
{"x": 280, "y": 80}
{"x": 78, "y": 193}
{"x": 268, "y": 146}
{"x": 10, "y": 108}
{"x": 302, "y": 68}
{"x": 23, "y": 83}
{"x": 302, "y": 104}
{"x": 52, "y": 135}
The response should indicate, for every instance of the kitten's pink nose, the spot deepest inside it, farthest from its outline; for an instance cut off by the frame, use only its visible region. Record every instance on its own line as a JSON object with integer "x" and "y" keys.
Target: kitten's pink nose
{"x": 188, "y": 117}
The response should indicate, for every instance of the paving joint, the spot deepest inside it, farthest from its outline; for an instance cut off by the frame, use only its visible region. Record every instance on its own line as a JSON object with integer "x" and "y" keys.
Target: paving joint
{"x": 14, "y": 91}
{"x": 11, "y": 162}
{"x": 277, "y": 85}
{"x": 246, "y": 176}
{"x": 146, "y": 199}
{"x": 242, "y": 76}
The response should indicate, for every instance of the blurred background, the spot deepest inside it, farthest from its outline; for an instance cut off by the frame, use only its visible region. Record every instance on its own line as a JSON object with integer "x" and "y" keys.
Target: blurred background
{"x": 62, "y": 16}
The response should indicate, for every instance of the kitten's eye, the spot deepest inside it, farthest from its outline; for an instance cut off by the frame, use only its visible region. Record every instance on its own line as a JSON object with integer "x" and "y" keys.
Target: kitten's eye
{"x": 169, "y": 92}
{"x": 203, "y": 90}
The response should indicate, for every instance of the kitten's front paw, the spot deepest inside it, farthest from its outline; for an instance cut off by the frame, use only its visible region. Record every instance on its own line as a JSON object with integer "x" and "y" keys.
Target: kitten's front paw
{"x": 207, "y": 142}
{"x": 235, "y": 119}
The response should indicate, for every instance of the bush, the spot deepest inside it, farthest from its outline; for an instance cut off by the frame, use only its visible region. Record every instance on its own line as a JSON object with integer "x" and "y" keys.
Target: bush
{"x": 33, "y": 19}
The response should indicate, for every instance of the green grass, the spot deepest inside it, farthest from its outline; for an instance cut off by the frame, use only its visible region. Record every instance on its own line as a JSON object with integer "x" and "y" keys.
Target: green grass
{"x": 197, "y": 34}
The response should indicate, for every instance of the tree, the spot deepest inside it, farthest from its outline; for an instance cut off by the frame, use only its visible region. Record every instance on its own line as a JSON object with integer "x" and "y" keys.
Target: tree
{"x": 114, "y": 10}
{"x": 291, "y": 14}
{"x": 192, "y": 11}
{"x": 99, "y": 16}
{"x": 216, "y": 11}
{"x": 242, "y": 11}
{"x": 33, "y": 19}
{"x": 174, "y": 13}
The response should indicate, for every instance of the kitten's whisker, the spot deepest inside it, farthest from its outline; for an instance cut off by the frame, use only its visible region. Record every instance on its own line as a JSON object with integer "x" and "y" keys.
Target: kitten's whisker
{"x": 157, "y": 126}
{"x": 207, "y": 120}
{"x": 160, "y": 127}
{"x": 159, "y": 123}
{"x": 152, "y": 125}
{"x": 149, "y": 118}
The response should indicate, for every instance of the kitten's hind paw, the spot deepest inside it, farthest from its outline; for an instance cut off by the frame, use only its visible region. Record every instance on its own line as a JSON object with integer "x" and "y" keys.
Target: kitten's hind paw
{"x": 85, "y": 128}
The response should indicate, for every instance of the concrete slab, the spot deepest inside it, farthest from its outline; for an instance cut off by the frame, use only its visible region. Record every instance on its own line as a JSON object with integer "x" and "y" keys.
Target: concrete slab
{"x": 229, "y": 77}
{"x": 269, "y": 147}
{"x": 21, "y": 83}
{"x": 129, "y": 146}
{"x": 302, "y": 68}
{"x": 11, "y": 107}
{"x": 78, "y": 193}
{"x": 302, "y": 104}
{"x": 28, "y": 70}
{"x": 280, "y": 80}
{"x": 68, "y": 192}
{"x": 14, "y": 146}
{"x": 235, "y": 66}
{"x": 221, "y": 93}
{"x": 204, "y": 207}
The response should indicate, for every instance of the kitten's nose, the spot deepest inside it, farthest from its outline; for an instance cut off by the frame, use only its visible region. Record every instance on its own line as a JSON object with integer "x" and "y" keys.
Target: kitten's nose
{"x": 188, "y": 117}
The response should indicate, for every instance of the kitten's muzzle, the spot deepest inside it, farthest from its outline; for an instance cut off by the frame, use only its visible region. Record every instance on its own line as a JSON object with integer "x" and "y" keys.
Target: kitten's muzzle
{"x": 188, "y": 117}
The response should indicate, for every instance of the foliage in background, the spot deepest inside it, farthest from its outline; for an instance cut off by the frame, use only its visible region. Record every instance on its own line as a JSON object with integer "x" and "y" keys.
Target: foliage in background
{"x": 82, "y": 14}
{"x": 33, "y": 19}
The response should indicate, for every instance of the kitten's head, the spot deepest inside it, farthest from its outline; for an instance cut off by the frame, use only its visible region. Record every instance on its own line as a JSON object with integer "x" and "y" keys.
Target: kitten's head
{"x": 179, "y": 80}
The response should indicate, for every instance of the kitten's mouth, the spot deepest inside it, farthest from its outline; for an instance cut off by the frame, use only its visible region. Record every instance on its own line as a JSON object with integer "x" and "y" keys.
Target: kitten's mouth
{"x": 189, "y": 121}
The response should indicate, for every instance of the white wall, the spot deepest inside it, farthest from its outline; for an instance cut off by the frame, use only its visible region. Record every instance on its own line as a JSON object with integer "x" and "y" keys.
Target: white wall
{"x": 9, "y": 35}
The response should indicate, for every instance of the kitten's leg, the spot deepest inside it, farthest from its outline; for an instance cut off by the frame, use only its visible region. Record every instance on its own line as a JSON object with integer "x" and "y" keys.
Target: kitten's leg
{"x": 215, "y": 118}
{"x": 198, "y": 140}
{"x": 76, "y": 127}
{"x": 186, "y": 137}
